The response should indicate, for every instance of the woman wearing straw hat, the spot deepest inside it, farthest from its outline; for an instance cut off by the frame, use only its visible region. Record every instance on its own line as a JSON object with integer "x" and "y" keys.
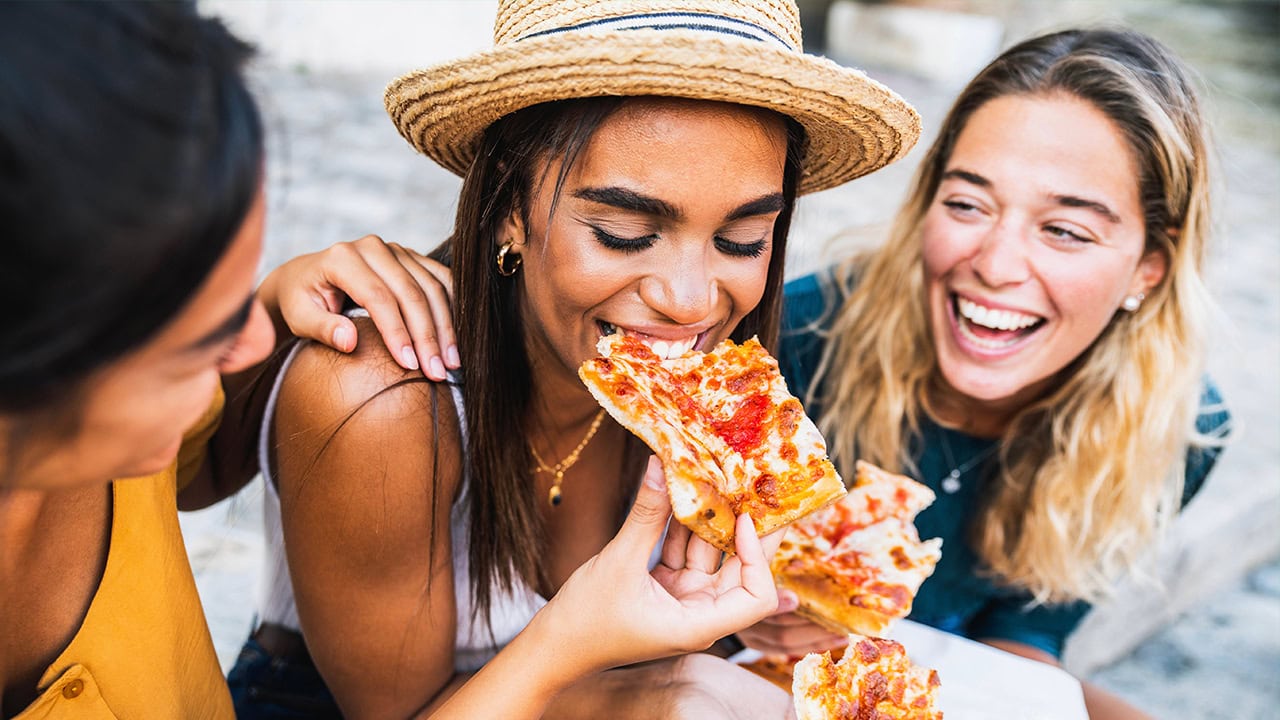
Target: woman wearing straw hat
{"x": 628, "y": 166}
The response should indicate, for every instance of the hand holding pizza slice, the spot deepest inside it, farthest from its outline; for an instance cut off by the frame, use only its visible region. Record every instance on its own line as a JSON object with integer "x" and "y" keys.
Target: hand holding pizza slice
{"x": 731, "y": 438}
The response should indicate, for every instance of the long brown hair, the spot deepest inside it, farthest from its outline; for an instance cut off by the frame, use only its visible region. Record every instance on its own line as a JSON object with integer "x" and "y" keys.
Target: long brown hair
{"x": 1092, "y": 472}
{"x": 508, "y": 541}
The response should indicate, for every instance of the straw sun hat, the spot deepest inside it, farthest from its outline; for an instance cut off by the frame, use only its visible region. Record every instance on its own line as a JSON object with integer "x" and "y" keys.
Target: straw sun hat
{"x": 740, "y": 51}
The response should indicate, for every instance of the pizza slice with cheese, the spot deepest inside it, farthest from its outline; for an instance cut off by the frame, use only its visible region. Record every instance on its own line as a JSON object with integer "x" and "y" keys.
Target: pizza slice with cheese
{"x": 874, "y": 679}
{"x": 731, "y": 437}
{"x": 856, "y": 564}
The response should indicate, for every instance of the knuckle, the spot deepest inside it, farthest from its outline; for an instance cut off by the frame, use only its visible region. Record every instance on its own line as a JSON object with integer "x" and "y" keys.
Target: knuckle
{"x": 379, "y": 296}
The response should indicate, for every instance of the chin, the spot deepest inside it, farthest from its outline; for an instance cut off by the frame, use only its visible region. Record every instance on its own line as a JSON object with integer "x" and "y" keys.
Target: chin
{"x": 980, "y": 384}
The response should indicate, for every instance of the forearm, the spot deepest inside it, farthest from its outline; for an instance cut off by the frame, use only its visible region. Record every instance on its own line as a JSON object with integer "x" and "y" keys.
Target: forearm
{"x": 536, "y": 674}
{"x": 1103, "y": 705}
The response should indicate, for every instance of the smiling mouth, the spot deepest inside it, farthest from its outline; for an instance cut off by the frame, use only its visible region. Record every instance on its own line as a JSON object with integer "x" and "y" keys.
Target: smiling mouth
{"x": 663, "y": 348}
{"x": 991, "y": 328}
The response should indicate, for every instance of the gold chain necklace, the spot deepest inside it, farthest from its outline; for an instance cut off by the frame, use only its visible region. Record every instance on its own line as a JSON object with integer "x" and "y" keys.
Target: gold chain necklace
{"x": 559, "y": 469}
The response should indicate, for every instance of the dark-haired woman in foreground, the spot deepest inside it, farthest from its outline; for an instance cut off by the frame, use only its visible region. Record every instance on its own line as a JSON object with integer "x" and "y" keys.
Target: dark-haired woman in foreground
{"x": 131, "y": 211}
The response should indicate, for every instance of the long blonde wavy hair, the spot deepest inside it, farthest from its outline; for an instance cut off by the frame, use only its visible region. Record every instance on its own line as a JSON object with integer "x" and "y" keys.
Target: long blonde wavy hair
{"x": 1090, "y": 474}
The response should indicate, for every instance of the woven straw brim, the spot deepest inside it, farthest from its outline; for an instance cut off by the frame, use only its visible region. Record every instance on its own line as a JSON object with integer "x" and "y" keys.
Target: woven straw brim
{"x": 855, "y": 125}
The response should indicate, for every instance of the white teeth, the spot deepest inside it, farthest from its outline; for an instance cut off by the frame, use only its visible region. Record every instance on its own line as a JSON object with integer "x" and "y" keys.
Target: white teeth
{"x": 668, "y": 349}
{"x": 994, "y": 319}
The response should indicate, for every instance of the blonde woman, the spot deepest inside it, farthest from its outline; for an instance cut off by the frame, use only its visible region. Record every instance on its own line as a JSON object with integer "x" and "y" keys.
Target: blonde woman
{"x": 1030, "y": 341}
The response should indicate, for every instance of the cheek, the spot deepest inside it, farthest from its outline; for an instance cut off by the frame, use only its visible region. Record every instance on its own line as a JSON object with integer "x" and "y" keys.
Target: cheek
{"x": 939, "y": 250}
{"x": 1083, "y": 294}
{"x": 746, "y": 284}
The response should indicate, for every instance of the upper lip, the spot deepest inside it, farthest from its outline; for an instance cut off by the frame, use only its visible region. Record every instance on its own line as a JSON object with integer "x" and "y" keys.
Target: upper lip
{"x": 665, "y": 332}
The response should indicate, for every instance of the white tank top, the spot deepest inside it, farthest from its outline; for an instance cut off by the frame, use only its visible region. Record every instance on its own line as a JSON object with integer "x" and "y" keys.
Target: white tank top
{"x": 509, "y": 612}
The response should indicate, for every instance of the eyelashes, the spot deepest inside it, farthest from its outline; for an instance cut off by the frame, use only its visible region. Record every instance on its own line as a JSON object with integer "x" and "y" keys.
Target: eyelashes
{"x": 639, "y": 244}
{"x": 626, "y": 245}
{"x": 748, "y": 250}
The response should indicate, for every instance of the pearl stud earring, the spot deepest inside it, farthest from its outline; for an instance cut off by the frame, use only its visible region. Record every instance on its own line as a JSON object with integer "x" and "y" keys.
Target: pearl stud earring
{"x": 1133, "y": 302}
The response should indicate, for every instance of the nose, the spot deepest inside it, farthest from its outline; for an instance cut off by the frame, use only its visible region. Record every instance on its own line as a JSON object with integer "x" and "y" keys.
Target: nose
{"x": 254, "y": 342}
{"x": 1001, "y": 257}
{"x": 683, "y": 289}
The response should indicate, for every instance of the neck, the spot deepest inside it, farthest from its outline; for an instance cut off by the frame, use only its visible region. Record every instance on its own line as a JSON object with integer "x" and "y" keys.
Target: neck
{"x": 972, "y": 416}
{"x": 19, "y": 511}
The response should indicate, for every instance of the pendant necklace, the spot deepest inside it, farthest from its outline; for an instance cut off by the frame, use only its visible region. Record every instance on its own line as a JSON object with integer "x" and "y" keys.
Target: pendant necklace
{"x": 951, "y": 483}
{"x": 559, "y": 469}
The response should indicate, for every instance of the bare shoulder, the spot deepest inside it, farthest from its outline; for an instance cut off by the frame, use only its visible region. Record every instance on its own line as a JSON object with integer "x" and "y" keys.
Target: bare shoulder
{"x": 359, "y": 428}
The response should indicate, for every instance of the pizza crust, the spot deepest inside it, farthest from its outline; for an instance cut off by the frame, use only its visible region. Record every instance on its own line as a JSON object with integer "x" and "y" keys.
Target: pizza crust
{"x": 826, "y": 602}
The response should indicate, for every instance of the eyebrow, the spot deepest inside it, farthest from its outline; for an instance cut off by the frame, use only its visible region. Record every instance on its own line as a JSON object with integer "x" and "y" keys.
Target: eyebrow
{"x": 1066, "y": 200}
{"x": 228, "y": 328}
{"x": 1094, "y": 205}
{"x": 634, "y": 201}
{"x": 770, "y": 203}
{"x": 629, "y": 200}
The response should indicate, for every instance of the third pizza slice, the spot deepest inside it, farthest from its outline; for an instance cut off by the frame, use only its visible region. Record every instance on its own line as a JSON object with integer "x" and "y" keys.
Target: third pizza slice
{"x": 731, "y": 437}
{"x": 874, "y": 680}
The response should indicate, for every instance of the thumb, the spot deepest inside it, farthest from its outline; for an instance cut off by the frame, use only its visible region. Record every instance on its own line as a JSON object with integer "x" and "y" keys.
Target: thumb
{"x": 313, "y": 320}
{"x": 648, "y": 517}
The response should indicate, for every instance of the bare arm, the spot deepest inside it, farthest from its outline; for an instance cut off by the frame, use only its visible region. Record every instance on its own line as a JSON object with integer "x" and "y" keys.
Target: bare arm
{"x": 366, "y": 476}
{"x": 1101, "y": 704}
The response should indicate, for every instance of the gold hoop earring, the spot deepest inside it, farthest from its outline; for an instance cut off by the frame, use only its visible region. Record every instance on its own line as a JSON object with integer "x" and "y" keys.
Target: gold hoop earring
{"x": 503, "y": 269}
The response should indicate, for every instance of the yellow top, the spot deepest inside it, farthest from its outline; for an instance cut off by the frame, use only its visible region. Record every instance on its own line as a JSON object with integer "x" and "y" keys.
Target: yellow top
{"x": 143, "y": 650}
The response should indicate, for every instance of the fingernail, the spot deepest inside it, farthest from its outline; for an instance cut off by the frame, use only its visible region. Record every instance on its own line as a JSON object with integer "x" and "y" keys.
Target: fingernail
{"x": 342, "y": 337}
{"x": 437, "y": 369}
{"x": 408, "y": 357}
{"x": 787, "y": 601}
{"x": 653, "y": 476}
{"x": 451, "y": 355}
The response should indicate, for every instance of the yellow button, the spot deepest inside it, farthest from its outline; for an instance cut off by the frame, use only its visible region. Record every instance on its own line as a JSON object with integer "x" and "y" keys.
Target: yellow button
{"x": 72, "y": 690}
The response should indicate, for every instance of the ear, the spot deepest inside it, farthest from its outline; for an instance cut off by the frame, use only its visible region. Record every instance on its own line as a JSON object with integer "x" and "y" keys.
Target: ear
{"x": 1150, "y": 271}
{"x": 513, "y": 230}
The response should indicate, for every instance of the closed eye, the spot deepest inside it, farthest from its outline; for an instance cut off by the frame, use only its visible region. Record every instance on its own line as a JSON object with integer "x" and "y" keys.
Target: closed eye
{"x": 626, "y": 245}
{"x": 230, "y": 347}
{"x": 736, "y": 249}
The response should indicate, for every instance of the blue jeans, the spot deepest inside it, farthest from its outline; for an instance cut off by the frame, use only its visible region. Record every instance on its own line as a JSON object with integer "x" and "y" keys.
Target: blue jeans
{"x": 270, "y": 688}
